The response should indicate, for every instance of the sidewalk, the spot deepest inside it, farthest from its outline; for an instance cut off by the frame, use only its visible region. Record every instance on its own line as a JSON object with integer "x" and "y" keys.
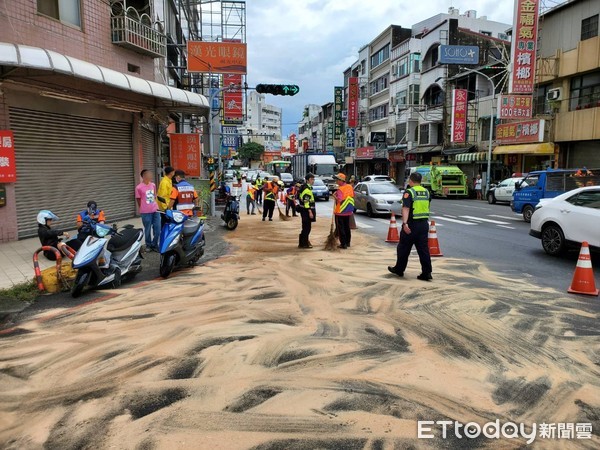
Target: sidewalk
{"x": 16, "y": 258}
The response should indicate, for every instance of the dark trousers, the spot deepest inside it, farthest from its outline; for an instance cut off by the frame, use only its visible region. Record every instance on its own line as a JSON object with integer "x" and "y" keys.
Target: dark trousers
{"x": 306, "y": 226}
{"x": 289, "y": 204}
{"x": 343, "y": 226}
{"x": 268, "y": 208}
{"x": 249, "y": 201}
{"x": 259, "y": 196}
{"x": 418, "y": 237}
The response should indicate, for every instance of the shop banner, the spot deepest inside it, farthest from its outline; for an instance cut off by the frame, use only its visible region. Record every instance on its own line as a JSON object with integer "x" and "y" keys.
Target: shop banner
{"x": 217, "y": 57}
{"x": 520, "y": 132}
{"x": 8, "y": 168}
{"x": 233, "y": 112}
{"x": 525, "y": 28}
{"x": 516, "y": 107}
{"x": 293, "y": 148}
{"x": 365, "y": 153}
{"x": 338, "y": 106}
{"x": 353, "y": 99}
{"x": 459, "y": 115}
{"x": 350, "y": 138}
{"x": 185, "y": 153}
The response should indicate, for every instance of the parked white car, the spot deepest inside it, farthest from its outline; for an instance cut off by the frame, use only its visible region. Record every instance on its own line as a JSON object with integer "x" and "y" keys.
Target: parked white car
{"x": 568, "y": 220}
{"x": 371, "y": 178}
{"x": 503, "y": 192}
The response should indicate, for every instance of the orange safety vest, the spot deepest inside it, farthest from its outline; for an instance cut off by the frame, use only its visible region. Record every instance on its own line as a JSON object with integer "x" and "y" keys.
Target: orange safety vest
{"x": 345, "y": 207}
{"x": 251, "y": 191}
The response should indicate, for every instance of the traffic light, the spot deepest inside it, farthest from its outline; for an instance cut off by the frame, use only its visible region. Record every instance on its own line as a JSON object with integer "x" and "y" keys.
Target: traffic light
{"x": 277, "y": 89}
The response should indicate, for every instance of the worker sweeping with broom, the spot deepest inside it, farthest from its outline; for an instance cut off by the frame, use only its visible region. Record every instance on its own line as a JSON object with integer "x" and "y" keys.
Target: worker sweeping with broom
{"x": 343, "y": 209}
{"x": 306, "y": 208}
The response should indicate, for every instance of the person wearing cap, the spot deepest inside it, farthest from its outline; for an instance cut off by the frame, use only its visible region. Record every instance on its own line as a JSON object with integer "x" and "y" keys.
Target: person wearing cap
{"x": 343, "y": 209}
{"x": 183, "y": 196}
{"x": 306, "y": 207}
{"x": 270, "y": 189}
{"x": 165, "y": 188}
{"x": 290, "y": 199}
{"x": 87, "y": 218}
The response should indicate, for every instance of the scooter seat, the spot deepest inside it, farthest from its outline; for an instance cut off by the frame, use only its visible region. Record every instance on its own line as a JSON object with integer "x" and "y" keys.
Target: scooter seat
{"x": 191, "y": 226}
{"x": 126, "y": 240}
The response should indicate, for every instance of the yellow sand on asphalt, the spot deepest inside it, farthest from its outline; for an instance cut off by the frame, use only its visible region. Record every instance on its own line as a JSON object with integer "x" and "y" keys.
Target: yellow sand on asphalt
{"x": 288, "y": 348}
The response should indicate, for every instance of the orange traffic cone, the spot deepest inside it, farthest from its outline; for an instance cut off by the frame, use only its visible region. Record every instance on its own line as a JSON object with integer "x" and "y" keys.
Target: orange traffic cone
{"x": 583, "y": 279}
{"x": 432, "y": 241}
{"x": 393, "y": 235}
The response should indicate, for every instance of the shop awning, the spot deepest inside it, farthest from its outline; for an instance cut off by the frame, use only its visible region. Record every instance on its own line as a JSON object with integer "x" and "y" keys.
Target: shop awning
{"x": 544, "y": 148}
{"x": 456, "y": 151}
{"x": 471, "y": 157}
{"x": 23, "y": 56}
{"x": 394, "y": 148}
{"x": 425, "y": 149}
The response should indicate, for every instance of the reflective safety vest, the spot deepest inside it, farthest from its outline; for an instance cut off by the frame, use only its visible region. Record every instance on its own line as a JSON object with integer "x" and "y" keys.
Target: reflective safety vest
{"x": 346, "y": 206}
{"x": 420, "y": 197}
{"x": 272, "y": 190}
{"x": 259, "y": 183}
{"x": 251, "y": 191}
{"x": 185, "y": 197}
{"x": 307, "y": 198}
{"x": 291, "y": 193}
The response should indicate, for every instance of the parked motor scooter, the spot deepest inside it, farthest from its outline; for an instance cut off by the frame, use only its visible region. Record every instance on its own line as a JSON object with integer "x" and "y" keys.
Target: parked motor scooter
{"x": 231, "y": 214}
{"x": 181, "y": 241}
{"x": 103, "y": 260}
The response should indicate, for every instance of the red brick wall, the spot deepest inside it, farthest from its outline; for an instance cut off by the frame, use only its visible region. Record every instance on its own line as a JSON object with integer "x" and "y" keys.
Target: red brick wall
{"x": 20, "y": 23}
{"x": 8, "y": 213}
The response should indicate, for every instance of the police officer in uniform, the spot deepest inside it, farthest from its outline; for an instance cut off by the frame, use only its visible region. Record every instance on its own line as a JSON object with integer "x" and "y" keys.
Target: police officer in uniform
{"x": 308, "y": 212}
{"x": 415, "y": 228}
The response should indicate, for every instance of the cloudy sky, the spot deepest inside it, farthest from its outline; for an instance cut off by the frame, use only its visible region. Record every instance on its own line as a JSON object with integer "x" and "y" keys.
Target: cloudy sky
{"x": 311, "y": 42}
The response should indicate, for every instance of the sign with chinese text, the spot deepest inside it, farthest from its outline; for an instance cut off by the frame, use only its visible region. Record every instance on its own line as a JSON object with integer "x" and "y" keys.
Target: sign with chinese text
{"x": 397, "y": 156}
{"x": 459, "y": 54}
{"x": 350, "y": 138}
{"x": 185, "y": 153}
{"x": 524, "y": 46}
{"x": 293, "y": 143}
{"x": 353, "y": 99}
{"x": 516, "y": 106}
{"x": 217, "y": 57}
{"x": 520, "y": 132}
{"x": 330, "y": 137}
{"x": 233, "y": 112}
{"x": 8, "y": 168}
{"x": 338, "y": 106}
{"x": 229, "y": 139}
{"x": 459, "y": 115}
{"x": 365, "y": 153}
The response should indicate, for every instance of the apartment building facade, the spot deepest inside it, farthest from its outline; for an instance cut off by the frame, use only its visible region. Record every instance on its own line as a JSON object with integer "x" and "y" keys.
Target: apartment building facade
{"x": 85, "y": 97}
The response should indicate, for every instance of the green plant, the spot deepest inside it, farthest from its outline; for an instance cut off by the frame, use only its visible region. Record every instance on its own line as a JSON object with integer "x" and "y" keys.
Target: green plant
{"x": 23, "y": 292}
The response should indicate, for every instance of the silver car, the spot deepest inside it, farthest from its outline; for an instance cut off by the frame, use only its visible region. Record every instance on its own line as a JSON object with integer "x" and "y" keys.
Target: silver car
{"x": 378, "y": 198}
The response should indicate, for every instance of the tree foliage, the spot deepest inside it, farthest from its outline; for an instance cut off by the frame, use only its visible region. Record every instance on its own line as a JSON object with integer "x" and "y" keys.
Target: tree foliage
{"x": 251, "y": 150}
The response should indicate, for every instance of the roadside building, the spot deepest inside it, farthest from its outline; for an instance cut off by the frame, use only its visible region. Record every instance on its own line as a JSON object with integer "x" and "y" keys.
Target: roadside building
{"x": 568, "y": 87}
{"x": 83, "y": 91}
{"x": 263, "y": 125}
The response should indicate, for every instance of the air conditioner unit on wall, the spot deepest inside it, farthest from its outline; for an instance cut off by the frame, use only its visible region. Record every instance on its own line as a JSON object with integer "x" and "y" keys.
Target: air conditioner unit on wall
{"x": 554, "y": 94}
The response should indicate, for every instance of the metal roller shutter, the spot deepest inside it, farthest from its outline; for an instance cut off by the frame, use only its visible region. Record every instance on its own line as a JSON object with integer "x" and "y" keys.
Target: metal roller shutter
{"x": 149, "y": 151}
{"x": 585, "y": 154}
{"x": 64, "y": 161}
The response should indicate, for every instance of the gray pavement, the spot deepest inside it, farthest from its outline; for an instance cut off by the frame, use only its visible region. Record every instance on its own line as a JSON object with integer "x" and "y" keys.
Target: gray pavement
{"x": 491, "y": 234}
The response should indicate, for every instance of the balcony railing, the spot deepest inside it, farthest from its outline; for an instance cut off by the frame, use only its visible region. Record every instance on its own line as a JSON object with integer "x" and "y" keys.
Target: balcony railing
{"x": 130, "y": 31}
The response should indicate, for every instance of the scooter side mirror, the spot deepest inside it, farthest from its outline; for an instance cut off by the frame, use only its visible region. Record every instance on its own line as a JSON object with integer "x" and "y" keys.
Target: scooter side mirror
{"x": 114, "y": 227}
{"x": 160, "y": 199}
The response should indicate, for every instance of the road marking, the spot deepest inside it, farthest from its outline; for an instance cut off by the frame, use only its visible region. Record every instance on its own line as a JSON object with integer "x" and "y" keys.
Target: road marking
{"x": 517, "y": 218}
{"x": 508, "y": 228}
{"x": 362, "y": 225}
{"x": 462, "y": 205}
{"x": 452, "y": 217}
{"x": 453, "y": 220}
{"x": 382, "y": 221}
{"x": 497, "y": 222}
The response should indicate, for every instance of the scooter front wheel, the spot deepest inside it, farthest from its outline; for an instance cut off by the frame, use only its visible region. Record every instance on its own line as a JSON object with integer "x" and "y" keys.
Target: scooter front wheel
{"x": 167, "y": 263}
{"x": 232, "y": 223}
{"x": 81, "y": 280}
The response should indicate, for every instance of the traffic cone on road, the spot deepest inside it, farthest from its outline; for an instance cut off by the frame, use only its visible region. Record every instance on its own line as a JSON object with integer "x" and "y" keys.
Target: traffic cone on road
{"x": 393, "y": 235}
{"x": 583, "y": 279}
{"x": 432, "y": 241}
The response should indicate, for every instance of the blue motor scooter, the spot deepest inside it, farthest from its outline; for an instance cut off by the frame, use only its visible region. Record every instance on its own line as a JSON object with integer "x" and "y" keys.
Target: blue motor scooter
{"x": 181, "y": 241}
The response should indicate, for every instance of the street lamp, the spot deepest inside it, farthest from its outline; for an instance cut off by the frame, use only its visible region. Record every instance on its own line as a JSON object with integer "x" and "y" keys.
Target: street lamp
{"x": 489, "y": 155}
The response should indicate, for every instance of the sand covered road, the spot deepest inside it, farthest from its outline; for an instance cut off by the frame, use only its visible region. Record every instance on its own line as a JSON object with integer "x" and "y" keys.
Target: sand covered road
{"x": 272, "y": 347}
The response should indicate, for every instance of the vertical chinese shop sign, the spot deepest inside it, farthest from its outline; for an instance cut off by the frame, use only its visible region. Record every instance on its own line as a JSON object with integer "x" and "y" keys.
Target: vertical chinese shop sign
{"x": 524, "y": 46}
{"x": 459, "y": 115}
{"x": 185, "y": 153}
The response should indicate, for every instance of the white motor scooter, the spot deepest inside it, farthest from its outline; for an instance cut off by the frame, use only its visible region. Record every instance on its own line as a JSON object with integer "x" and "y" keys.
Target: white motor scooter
{"x": 107, "y": 256}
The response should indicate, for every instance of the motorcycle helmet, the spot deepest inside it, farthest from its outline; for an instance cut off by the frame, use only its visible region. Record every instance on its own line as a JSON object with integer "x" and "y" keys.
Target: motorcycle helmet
{"x": 44, "y": 215}
{"x": 92, "y": 206}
